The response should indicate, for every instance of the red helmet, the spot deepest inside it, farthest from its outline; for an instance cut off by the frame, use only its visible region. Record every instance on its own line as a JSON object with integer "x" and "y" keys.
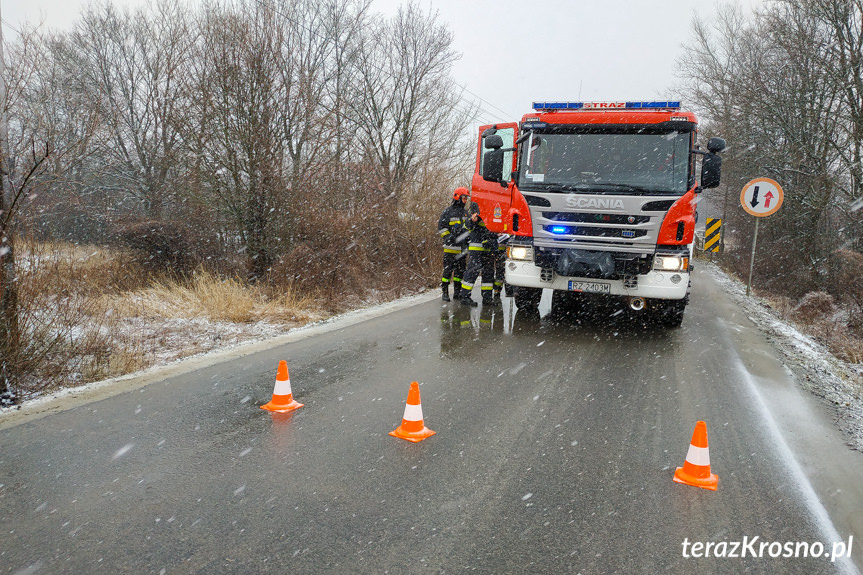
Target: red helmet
{"x": 459, "y": 192}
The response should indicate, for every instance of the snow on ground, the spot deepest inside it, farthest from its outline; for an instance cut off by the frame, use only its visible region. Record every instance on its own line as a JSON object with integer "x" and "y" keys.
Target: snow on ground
{"x": 173, "y": 346}
{"x": 838, "y": 383}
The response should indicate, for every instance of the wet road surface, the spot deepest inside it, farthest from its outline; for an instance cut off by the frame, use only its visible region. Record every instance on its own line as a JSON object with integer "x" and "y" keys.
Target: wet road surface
{"x": 557, "y": 439}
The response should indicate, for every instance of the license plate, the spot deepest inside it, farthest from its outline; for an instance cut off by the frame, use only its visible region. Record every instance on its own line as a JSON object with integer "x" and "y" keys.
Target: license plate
{"x": 591, "y": 287}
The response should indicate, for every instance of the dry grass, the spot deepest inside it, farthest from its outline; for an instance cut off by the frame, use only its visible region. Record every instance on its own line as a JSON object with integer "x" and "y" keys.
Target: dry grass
{"x": 818, "y": 315}
{"x": 87, "y": 313}
{"x": 218, "y": 300}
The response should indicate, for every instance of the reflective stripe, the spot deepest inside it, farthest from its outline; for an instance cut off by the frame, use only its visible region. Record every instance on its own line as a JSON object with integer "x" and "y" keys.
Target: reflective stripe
{"x": 485, "y": 287}
{"x": 413, "y": 412}
{"x": 445, "y": 280}
{"x": 282, "y": 387}
{"x": 452, "y": 250}
{"x": 477, "y": 248}
{"x": 698, "y": 456}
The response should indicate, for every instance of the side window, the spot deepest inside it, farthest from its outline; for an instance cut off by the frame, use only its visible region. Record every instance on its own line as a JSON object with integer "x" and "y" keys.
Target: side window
{"x": 508, "y": 137}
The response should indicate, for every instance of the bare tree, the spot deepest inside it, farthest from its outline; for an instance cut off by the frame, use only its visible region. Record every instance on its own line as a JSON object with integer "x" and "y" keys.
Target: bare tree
{"x": 131, "y": 63}
{"x": 404, "y": 93}
{"x": 235, "y": 130}
{"x": 35, "y": 138}
{"x": 844, "y": 20}
{"x": 764, "y": 85}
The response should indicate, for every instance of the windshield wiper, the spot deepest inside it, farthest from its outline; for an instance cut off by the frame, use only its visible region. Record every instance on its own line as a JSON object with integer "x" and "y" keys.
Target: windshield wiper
{"x": 568, "y": 187}
{"x": 598, "y": 187}
{"x": 621, "y": 187}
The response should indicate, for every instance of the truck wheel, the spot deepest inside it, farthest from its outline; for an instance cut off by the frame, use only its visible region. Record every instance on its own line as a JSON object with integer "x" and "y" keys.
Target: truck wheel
{"x": 670, "y": 314}
{"x": 527, "y": 299}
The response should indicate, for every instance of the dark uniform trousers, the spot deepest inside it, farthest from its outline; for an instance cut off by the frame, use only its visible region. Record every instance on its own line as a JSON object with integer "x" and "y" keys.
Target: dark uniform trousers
{"x": 454, "y": 265}
{"x": 451, "y": 229}
{"x": 481, "y": 264}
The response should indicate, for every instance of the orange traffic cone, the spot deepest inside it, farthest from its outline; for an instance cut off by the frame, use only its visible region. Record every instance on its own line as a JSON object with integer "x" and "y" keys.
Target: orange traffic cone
{"x": 283, "y": 400}
{"x": 412, "y": 427}
{"x": 696, "y": 468}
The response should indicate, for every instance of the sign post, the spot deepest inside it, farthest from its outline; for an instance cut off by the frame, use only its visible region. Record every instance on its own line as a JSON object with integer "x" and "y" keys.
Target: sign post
{"x": 760, "y": 197}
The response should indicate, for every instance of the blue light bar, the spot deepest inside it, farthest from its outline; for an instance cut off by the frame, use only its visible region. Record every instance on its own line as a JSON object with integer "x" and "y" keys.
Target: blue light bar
{"x": 548, "y": 106}
{"x": 559, "y": 229}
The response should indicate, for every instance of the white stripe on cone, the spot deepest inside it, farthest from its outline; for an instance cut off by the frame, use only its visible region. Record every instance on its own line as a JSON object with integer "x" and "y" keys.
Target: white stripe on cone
{"x": 413, "y": 412}
{"x": 698, "y": 456}
{"x": 282, "y": 387}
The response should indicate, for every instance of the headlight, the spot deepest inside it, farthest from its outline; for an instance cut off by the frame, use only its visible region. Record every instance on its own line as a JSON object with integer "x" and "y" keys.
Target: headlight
{"x": 671, "y": 263}
{"x": 519, "y": 252}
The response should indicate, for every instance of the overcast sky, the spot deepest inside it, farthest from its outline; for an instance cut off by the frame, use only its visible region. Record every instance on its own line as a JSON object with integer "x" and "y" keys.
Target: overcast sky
{"x": 516, "y": 52}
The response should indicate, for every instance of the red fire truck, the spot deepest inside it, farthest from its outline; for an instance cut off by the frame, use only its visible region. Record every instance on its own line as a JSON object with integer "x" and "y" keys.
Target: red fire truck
{"x": 599, "y": 201}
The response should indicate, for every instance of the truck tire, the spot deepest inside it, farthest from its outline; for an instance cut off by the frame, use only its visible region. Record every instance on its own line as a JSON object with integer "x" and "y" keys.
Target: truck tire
{"x": 527, "y": 299}
{"x": 670, "y": 313}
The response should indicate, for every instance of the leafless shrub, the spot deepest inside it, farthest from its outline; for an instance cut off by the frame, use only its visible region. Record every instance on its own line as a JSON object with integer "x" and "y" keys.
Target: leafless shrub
{"x": 847, "y": 347}
{"x": 65, "y": 323}
{"x": 846, "y": 276}
{"x": 170, "y": 246}
{"x": 814, "y": 306}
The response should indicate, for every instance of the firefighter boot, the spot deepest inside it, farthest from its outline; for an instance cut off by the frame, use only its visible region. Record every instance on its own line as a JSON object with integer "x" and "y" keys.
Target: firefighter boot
{"x": 466, "y": 299}
{"x": 444, "y": 286}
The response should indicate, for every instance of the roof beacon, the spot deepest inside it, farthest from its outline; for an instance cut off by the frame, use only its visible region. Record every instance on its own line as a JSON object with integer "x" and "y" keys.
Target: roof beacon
{"x": 550, "y": 106}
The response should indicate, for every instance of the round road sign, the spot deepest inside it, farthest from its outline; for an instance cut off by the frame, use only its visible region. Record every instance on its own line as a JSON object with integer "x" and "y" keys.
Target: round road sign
{"x": 761, "y": 197}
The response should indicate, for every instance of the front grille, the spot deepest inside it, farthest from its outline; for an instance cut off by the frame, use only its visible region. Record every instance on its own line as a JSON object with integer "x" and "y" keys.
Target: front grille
{"x": 594, "y": 232}
{"x": 615, "y": 219}
{"x": 616, "y": 223}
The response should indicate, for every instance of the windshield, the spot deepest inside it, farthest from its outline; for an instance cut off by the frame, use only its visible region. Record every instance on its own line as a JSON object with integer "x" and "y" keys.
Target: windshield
{"x": 593, "y": 162}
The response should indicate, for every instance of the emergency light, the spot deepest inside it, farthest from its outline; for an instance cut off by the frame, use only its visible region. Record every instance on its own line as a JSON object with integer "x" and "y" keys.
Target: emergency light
{"x": 559, "y": 229}
{"x": 549, "y": 106}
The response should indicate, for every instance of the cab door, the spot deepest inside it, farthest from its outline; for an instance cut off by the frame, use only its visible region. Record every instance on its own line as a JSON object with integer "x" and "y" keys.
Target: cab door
{"x": 495, "y": 197}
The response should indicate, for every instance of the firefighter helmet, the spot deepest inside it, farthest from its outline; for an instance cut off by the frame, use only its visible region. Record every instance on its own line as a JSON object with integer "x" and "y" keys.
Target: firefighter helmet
{"x": 459, "y": 192}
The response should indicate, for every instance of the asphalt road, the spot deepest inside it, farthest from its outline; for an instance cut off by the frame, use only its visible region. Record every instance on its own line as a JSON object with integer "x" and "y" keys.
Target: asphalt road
{"x": 556, "y": 444}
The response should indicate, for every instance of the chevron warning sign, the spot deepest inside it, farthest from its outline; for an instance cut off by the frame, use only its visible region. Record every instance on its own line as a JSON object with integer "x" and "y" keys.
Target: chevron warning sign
{"x": 712, "y": 234}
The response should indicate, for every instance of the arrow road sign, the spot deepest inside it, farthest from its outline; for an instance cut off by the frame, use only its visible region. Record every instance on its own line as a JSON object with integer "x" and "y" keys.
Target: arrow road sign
{"x": 761, "y": 197}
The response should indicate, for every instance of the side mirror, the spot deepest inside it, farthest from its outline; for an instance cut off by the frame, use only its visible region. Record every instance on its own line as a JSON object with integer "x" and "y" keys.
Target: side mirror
{"x": 492, "y": 142}
{"x": 492, "y": 165}
{"x": 711, "y": 168}
{"x": 716, "y": 145}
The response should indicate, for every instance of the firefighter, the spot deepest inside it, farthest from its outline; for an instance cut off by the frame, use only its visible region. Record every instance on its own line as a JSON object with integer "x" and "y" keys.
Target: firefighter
{"x": 451, "y": 229}
{"x": 482, "y": 246}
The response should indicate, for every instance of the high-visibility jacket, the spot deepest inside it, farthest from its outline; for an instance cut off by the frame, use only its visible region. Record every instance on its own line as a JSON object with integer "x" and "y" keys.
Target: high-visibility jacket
{"x": 481, "y": 239}
{"x": 451, "y": 228}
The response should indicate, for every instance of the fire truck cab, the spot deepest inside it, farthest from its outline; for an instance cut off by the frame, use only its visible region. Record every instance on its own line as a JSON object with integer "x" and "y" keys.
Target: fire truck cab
{"x": 599, "y": 199}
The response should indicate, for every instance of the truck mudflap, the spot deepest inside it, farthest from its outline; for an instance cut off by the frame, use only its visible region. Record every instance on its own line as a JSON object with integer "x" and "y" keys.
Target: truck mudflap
{"x": 653, "y": 285}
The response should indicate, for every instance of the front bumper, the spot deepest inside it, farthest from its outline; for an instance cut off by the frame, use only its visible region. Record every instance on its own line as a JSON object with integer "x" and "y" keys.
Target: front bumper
{"x": 654, "y": 284}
